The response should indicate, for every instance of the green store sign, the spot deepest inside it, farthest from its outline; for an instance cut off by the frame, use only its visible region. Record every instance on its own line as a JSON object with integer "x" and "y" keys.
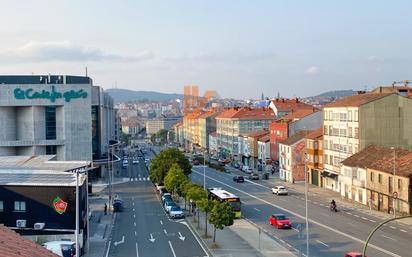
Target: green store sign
{"x": 52, "y": 95}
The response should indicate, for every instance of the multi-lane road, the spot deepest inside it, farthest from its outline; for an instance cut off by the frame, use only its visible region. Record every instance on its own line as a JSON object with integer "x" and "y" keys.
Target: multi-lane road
{"x": 330, "y": 234}
{"x": 143, "y": 229}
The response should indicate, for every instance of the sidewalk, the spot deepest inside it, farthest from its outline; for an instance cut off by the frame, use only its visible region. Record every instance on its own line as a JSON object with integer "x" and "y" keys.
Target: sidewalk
{"x": 100, "y": 227}
{"x": 240, "y": 240}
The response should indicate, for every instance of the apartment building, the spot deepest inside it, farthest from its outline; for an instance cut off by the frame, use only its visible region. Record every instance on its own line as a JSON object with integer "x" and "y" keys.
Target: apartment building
{"x": 249, "y": 156}
{"x": 288, "y": 125}
{"x": 155, "y": 125}
{"x": 314, "y": 157}
{"x": 379, "y": 177}
{"x": 131, "y": 126}
{"x": 354, "y": 122}
{"x": 264, "y": 151}
{"x": 292, "y": 158}
{"x": 191, "y": 130}
{"x": 207, "y": 125}
{"x": 232, "y": 123}
{"x": 179, "y": 135}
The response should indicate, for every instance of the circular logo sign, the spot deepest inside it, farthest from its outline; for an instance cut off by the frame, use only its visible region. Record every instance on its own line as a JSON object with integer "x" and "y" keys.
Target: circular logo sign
{"x": 59, "y": 205}
{"x": 395, "y": 195}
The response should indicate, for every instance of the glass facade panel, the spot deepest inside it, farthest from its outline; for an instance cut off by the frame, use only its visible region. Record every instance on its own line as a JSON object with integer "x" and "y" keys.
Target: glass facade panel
{"x": 50, "y": 113}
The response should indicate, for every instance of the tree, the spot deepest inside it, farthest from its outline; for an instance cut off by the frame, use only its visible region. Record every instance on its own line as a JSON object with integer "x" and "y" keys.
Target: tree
{"x": 174, "y": 179}
{"x": 185, "y": 189}
{"x": 161, "y": 164}
{"x": 205, "y": 206}
{"x": 221, "y": 215}
{"x": 196, "y": 193}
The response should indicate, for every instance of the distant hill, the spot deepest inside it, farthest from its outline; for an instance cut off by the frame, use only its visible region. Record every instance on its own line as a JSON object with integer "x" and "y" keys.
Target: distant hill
{"x": 125, "y": 95}
{"x": 337, "y": 93}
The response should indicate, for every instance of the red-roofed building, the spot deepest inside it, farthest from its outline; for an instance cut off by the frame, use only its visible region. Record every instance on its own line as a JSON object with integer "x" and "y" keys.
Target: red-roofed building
{"x": 14, "y": 245}
{"x": 288, "y": 125}
{"x": 282, "y": 107}
{"x": 233, "y": 122}
{"x": 314, "y": 156}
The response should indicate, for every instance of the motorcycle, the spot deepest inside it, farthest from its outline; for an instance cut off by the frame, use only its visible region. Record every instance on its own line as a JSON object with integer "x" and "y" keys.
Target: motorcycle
{"x": 332, "y": 207}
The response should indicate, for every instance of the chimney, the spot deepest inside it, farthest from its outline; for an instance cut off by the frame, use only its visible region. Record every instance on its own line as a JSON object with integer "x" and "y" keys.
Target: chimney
{"x": 283, "y": 100}
{"x": 297, "y": 100}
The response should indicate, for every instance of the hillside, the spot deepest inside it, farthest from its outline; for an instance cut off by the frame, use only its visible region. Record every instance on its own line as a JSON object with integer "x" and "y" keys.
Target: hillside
{"x": 125, "y": 95}
{"x": 337, "y": 93}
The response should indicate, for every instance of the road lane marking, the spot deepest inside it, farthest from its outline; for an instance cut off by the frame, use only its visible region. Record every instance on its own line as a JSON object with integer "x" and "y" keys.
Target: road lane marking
{"x": 137, "y": 251}
{"x": 119, "y": 242}
{"x": 197, "y": 239}
{"x": 257, "y": 209}
{"x": 388, "y": 237}
{"x": 108, "y": 248}
{"x": 297, "y": 230}
{"x": 133, "y": 203}
{"x": 134, "y": 216}
{"x": 303, "y": 217}
{"x": 403, "y": 230}
{"x": 392, "y": 227}
{"x": 135, "y": 233}
{"x": 171, "y": 248}
{"x": 164, "y": 230}
{"x": 134, "y": 224}
{"x": 322, "y": 243}
{"x": 364, "y": 218}
{"x": 372, "y": 221}
{"x": 161, "y": 222}
{"x": 151, "y": 239}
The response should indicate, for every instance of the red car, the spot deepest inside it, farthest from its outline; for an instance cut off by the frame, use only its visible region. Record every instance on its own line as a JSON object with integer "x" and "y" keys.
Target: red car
{"x": 280, "y": 221}
{"x": 354, "y": 254}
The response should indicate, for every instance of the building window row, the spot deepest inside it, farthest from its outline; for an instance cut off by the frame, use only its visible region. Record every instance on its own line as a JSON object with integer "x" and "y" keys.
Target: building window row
{"x": 341, "y": 116}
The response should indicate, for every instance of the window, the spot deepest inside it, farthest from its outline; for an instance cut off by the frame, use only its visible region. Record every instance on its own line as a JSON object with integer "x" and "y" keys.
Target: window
{"x": 19, "y": 206}
{"x": 356, "y": 115}
{"x": 356, "y": 133}
{"x": 325, "y": 115}
{"x": 372, "y": 176}
{"x": 315, "y": 145}
{"x": 1, "y": 206}
{"x": 350, "y": 131}
{"x": 50, "y": 116}
{"x": 350, "y": 115}
{"x": 380, "y": 178}
{"x": 325, "y": 130}
{"x": 51, "y": 149}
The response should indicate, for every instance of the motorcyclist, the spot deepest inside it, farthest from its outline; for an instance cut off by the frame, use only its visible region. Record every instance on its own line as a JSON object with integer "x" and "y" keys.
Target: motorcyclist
{"x": 333, "y": 204}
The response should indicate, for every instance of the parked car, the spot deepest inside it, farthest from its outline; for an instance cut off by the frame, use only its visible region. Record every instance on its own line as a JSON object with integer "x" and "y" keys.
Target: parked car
{"x": 235, "y": 165}
{"x": 196, "y": 162}
{"x": 238, "y": 179}
{"x": 163, "y": 191}
{"x": 280, "y": 221}
{"x": 254, "y": 176}
{"x": 176, "y": 212}
{"x": 279, "y": 190}
{"x": 166, "y": 195}
{"x": 354, "y": 254}
{"x": 125, "y": 163}
{"x": 135, "y": 161}
{"x": 169, "y": 205}
{"x": 61, "y": 248}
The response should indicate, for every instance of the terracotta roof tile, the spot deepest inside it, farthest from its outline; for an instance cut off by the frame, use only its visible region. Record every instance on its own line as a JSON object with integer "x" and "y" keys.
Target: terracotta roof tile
{"x": 382, "y": 159}
{"x": 290, "y": 104}
{"x": 357, "y": 100}
{"x": 265, "y": 138}
{"x": 257, "y": 134}
{"x": 12, "y": 244}
{"x": 298, "y": 114}
{"x": 248, "y": 114}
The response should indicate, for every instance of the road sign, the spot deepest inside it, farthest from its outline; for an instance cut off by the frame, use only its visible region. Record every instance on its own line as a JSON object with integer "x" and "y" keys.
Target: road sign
{"x": 395, "y": 195}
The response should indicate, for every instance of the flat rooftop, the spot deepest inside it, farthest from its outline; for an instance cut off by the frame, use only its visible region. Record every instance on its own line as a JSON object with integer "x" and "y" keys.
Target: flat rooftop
{"x": 26, "y": 177}
{"x": 44, "y": 79}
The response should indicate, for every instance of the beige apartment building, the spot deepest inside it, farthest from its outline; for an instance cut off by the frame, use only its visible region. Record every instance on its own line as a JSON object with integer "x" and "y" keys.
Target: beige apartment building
{"x": 354, "y": 122}
{"x": 207, "y": 125}
{"x": 375, "y": 175}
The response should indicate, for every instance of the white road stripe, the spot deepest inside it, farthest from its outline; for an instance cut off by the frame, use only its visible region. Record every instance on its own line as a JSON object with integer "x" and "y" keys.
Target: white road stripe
{"x": 171, "y": 248}
{"x": 137, "y": 251}
{"x": 403, "y": 230}
{"x": 372, "y": 221}
{"x": 388, "y": 237}
{"x": 135, "y": 233}
{"x": 302, "y": 217}
{"x": 134, "y": 224}
{"x": 392, "y": 227}
{"x": 134, "y": 216}
{"x": 320, "y": 242}
{"x": 108, "y": 249}
{"x": 297, "y": 230}
{"x": 164, "y": 230}
{"x": 364, "y": 218}
{"x": 257, "y": 209}
{"x": 161, "y": 222}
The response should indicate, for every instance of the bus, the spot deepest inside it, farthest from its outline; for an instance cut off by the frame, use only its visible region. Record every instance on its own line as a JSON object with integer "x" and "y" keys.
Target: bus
{"x": 224, "y": 196}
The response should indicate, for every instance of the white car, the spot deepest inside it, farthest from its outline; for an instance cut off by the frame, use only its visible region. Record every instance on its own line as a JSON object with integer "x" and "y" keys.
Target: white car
{"x": 279, "y": 190}
{"x": 176, "y": 212}
{"x": 169, "y": 205}
{"x": 125, "y": 163}
{"x": 61, "y": 248}
{"x": 135, "y": 161}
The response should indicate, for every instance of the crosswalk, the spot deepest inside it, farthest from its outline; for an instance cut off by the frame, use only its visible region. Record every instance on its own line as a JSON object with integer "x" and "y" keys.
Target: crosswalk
{"x": 141, "y": 179}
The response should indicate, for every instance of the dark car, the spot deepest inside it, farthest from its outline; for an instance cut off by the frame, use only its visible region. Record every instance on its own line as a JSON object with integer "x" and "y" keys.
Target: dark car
{"x": 254, "y": 176}
{"x": 117, "y": 205}
{"x": 238, "y": 179}
{"x": 196, "y": 162}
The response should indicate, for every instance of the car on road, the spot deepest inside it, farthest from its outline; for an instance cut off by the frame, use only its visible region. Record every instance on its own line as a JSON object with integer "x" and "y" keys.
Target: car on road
{"x": 117, "y": 205}
{"x": 175, "y": 212}
{"x": 235, "y": 165}
{"x": 166, "y": 195}
{"x": 354, "y": 254}
{"x": 247, "y": 169}
{"x": 280, "y": 221}
{"x": 169, "y": 205}
{"x": 61, "y": 248}
{"x": 196, "y": 162}
{"x": 254, "y": 176}
{"x": 135, "y": 161}
{"x": 125, "y": 163}
{"x": 238, "y": 179}
{"x": 279, "y": 190}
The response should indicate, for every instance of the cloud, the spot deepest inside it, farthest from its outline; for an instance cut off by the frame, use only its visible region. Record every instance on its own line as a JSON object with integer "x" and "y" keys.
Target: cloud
{"x": 225, "y": 58}
{"x": 67, "y": 52}
{"x": 313, "y": 70}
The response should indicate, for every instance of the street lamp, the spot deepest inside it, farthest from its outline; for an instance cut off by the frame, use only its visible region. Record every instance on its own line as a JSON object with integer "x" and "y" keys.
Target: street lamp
{"x": 306, "y": 209}
{"x": 204, "y": 169}
{"x": 76, "y": 234}
{"x": 394, "y": 188}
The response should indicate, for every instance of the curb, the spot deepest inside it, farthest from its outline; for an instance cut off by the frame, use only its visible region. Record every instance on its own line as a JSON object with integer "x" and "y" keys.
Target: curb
{"x": 200, "y": 239}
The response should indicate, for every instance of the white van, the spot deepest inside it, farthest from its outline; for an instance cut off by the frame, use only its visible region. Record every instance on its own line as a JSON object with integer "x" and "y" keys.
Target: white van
{"x": 61, "y": 248}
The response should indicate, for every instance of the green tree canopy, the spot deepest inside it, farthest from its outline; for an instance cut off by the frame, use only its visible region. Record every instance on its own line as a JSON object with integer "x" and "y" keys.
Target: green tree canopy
{"x": 205, "y": 206}
{"x": 174, "y": 179}
{"x": 161, "y": 164}
{"x": 221, "y": 215}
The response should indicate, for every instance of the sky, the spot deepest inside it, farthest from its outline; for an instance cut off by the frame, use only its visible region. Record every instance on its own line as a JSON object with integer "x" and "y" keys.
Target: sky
{"x": 239, "y": 48}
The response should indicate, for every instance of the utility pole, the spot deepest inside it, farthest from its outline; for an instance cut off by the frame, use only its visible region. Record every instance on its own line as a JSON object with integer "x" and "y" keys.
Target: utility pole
{"x": 306, "y": 210}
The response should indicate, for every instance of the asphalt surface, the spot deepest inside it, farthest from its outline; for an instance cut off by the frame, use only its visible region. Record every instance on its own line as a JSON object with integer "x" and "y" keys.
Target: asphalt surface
{"x": 143, "y": 229}
{"x": 330, "y": 234}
